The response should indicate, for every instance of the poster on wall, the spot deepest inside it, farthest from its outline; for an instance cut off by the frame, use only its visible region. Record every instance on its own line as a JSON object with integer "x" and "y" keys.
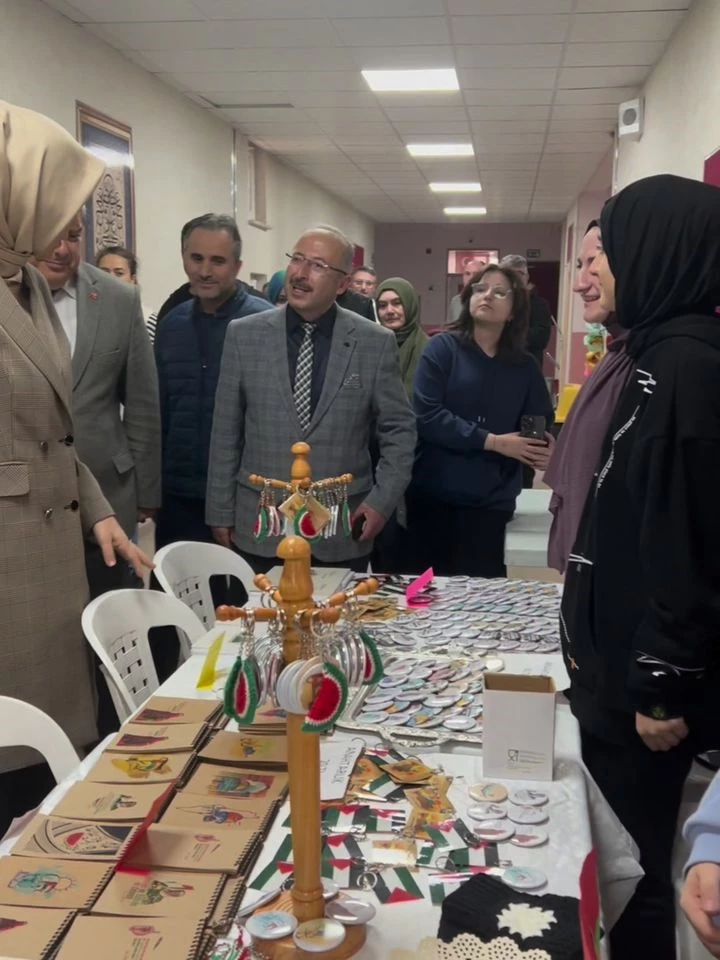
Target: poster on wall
{"x": 110, "y": 211}
{"x": 711, "y": 172}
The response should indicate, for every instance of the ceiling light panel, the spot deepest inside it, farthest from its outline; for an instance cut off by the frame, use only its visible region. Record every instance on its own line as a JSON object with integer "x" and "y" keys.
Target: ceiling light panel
{"x": 411, "y": 81}
{"x": 440, "y": 149}
{"x": 471, "y": 186}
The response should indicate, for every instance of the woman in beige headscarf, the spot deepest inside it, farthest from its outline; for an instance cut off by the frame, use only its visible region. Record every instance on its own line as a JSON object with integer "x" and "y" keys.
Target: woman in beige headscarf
{"x": 49, "y": 500}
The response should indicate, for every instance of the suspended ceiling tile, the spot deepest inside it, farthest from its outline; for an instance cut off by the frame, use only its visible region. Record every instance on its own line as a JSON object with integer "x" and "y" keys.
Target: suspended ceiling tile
{"x": 283, "y": 83}
{"x": 510, "y": 29}
{"x": 651, "y": 25}
{"x": 346, "y": 115}
{"x": 573, "y": 77}
{"x": 572, "y": 114}
{"x": 515, "y": 113}
{"x": 420, "y": 57}
{"x": 138, "y": 11}
{"x": 508, "y": 98}
{"x": 623, "y": 6}
{"x": 392, "y": 31}
{"x": 506, "y": 56}
{"x": 509, "y": 7}
{"x": 493, "y": 79}
{"x": 431, "y": 99}
{"x": 613, "y": 54}
{"x": 500, "y": 127}
{"x": 333, "y": 98}
{"x": 217, "y": 34}
{"x": 598, "y": 95}
{"x": 426, "y": 114}
{"x": 417, "y": 130}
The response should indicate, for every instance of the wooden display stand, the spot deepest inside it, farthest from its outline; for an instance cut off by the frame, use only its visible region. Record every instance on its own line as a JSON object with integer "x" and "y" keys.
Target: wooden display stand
{"x": 294, "y": 597}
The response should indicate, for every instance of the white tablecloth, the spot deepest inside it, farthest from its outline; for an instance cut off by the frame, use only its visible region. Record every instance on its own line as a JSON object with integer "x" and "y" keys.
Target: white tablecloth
{"x": 579, "y": 817}
{"x": 526, "y": 540}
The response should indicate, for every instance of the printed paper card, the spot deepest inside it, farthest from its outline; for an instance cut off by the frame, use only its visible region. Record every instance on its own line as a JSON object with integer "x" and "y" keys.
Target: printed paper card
{"x": 140, "y": 768}
{"x": 160, "y": 893}
{"x": 229, "y": 903}
{"x": 189, "y": 810}
{"x": 42, "y": 882}
{"x": 29, "y": 934}
{"x": 182, "y": 849}
{"x": 168, "y": 738}
{"x": 95, "y": 801}
{"x": 337, "y": 762}
{"x": 161, "y": 710}
{"x": 125, "y": 938}
{"x": 246, "y": 749}
{"x": 225, "y": 783}
{"x": 62, "y": 838}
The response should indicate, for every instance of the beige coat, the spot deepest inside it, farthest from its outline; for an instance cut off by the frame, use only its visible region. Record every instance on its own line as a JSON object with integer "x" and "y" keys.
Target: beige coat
{"x": 48, "y": 500}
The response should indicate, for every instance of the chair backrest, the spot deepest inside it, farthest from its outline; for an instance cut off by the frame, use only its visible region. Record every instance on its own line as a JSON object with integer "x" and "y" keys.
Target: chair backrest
{"x": 116, "y": 625}
{"x": 184, "y": 570}
{"x": 23, "y": 725}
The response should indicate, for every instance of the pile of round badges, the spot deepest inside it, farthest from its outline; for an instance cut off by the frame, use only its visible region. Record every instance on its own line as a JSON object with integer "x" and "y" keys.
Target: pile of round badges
{"x": 313, "y": 936}
{"x": 515, "y": 816}
{"x": 424, "y": 694}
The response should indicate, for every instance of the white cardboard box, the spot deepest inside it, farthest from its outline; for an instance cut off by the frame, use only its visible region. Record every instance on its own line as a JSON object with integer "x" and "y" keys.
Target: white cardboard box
{"x": 518, "y": 726}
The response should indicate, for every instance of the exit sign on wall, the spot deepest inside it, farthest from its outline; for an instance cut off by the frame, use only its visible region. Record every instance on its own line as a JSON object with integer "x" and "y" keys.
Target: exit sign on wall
{"x": 533, "y": 253}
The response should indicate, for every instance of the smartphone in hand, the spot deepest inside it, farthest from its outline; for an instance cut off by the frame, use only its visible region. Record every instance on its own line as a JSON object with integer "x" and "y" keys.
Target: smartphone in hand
{"x": 533, "y": 428}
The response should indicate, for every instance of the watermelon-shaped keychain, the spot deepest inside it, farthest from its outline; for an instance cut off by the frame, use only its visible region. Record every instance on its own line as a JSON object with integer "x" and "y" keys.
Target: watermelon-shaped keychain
{"x": 329, "y": 701}
{"x": 305, "y": 526}
{"x": 262, "y": 525}
{"x": 240, "y": 698}
{"x": 374, "y": 671}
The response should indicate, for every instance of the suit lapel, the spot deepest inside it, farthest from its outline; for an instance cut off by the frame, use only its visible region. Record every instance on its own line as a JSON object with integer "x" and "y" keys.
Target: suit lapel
{"x": 22, "y": 331}
{"x": 278, "y": 326}
{"x": 342, "y": 348}
{"x": 88, "y": 319}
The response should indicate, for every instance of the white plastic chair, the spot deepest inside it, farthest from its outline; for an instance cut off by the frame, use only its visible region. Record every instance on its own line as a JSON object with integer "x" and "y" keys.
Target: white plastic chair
{"x": 23, "y": 725}
{"x": 116, "y": 626}
{"x": 184, "y": 569}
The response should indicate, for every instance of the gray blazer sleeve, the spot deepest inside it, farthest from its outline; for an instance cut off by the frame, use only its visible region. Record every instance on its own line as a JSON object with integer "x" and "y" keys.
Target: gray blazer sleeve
{"x": 141, "y": 418}
{"x": 228, "y": 436}
{"x": 395, "y": 432}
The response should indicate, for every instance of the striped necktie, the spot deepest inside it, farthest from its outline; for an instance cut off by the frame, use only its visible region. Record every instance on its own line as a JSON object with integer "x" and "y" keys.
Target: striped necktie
{"x": 302, "y": 387}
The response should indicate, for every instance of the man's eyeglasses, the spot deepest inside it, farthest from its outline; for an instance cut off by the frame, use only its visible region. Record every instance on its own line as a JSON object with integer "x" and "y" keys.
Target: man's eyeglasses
{"x": 497, "y": 293}
{"x": 316, "y": 266}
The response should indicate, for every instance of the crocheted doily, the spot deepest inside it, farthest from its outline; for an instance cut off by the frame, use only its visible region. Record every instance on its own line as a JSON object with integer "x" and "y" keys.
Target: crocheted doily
{"x": 467, "y": 947}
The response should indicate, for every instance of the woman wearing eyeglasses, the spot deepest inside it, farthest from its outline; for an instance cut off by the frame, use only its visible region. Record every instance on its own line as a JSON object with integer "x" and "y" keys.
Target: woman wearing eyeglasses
{"x": 473, "y": 386}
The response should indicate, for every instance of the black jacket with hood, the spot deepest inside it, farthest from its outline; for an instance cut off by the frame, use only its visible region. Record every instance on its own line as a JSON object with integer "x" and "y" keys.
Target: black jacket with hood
{"x": 640, "y": 617}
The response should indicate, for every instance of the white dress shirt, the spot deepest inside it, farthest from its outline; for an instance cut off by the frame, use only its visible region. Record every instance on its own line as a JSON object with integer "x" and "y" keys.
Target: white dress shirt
{"x": 65, "y": 300}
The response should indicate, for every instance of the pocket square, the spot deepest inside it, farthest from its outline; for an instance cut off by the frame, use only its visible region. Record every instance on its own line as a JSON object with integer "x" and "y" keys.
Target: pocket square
{"x": 352, "y": 381}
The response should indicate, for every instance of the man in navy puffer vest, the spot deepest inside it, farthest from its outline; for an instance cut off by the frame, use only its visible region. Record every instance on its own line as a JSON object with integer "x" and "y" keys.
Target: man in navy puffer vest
{"x": 188, "y": 348}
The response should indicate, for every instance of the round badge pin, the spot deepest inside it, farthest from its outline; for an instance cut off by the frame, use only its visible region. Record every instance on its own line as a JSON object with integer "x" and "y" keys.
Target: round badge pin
{"x": 488, "y": 792}
{"x": 461, "y": 724}
{"x": 273, "y": 925}
{"x": 387, "y": 682}
{"x": 372, "y": 716}
{"x": 350, "y": 911}
{"x": 527, "y": 815}
{"x": 524, "y": 878}
{"x": 494, "y": 831}
{"x": 494, "y": 665}
{"x": 529, "y": 798}
{"x": 397, "y": 669}
{"x": 330, "y": 889}
{"x": 441, "y": 700}
{"x": 317, "y": 936}
{"x": 529, "y": 837}
{"x": 395, "y": 719}
{"x": 486, "y": 811}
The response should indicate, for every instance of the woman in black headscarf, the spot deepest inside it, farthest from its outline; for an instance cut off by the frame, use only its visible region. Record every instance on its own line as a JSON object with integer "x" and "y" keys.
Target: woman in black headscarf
{"x": 641, "y": 609}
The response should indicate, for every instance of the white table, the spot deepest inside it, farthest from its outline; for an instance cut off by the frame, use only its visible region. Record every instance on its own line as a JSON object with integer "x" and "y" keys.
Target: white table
{"x": 526, "y": 539}
{"x": 579, "y": 817}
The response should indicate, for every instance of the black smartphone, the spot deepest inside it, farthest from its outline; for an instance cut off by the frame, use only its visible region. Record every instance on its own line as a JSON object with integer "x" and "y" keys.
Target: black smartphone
{"x": 532, "y": 427}
{"x": 358, "y": 527}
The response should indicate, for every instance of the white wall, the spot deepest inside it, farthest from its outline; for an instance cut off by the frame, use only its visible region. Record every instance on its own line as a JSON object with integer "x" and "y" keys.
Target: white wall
{"x": 682, "y": 119}
{"x": 293, "y": 204}
{"x": 183, "y": 154}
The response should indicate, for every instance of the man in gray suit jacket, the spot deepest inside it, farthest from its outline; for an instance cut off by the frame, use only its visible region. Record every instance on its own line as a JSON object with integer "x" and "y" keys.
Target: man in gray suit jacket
{"x": 116, "y": 410}
{"x": 310, "y": 371}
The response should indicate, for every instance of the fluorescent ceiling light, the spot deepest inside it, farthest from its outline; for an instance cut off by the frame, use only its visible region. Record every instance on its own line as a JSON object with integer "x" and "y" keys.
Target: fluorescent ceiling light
{"x": 469, "y": 187}
{"x": 465, "y": 211}
{"x": 440, "y": 149}
{"x": 402, "y": 81}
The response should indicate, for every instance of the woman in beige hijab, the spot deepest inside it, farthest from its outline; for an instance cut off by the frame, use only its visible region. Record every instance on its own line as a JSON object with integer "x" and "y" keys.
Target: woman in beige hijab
{"x": 49, "y": 500}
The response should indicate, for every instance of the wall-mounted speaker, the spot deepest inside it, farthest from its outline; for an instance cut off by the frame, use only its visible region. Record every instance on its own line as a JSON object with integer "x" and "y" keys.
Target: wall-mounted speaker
{"x": 631, "y": 119}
